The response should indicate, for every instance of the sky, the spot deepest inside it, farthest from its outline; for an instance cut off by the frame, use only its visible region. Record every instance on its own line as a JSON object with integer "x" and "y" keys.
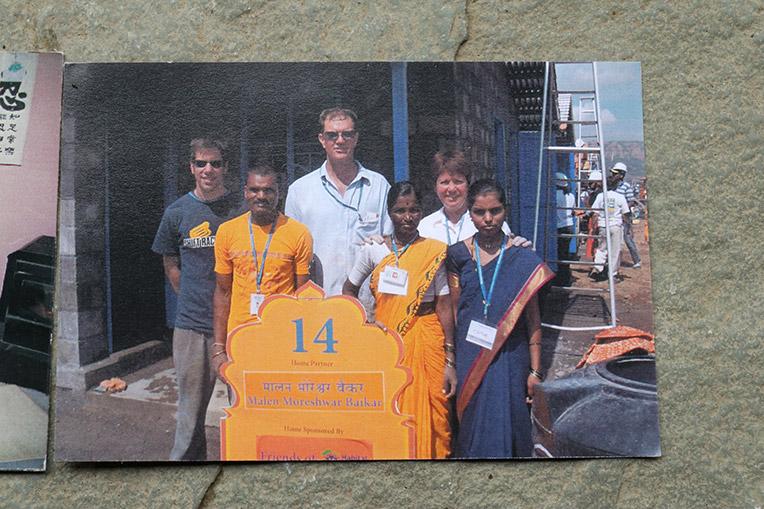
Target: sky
{"x": 620, "y": 95}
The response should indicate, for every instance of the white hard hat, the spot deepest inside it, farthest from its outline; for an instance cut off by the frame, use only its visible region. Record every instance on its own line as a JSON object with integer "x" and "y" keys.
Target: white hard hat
{"x": 596, "y": 175}
{"x": 618, "y": 167}
{"x": 579, "y": 142}
{"x": 561, "y": 180}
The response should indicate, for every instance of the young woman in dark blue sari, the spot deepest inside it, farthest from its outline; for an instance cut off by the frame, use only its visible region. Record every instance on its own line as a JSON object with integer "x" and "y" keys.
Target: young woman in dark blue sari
{"x": 498, "y": 331}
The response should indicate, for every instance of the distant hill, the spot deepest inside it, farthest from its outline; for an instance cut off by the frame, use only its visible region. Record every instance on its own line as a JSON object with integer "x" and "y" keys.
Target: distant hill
{"x": 631, "y": 153}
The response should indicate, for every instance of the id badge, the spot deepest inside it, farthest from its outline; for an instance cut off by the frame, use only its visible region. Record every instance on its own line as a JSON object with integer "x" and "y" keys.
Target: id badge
{"x": 481, "y": 334}
{"x": 255, "y": 299}
{"x": 394, "y": 281}
{"x": 370, "y": 217}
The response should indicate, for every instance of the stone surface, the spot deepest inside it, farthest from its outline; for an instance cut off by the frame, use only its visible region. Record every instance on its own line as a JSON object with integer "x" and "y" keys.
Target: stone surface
{"x": 703, "y": 90}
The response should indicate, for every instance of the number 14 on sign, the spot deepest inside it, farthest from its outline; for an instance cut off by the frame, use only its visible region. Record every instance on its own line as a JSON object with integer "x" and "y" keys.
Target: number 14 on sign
{"x": 325, "y": 336}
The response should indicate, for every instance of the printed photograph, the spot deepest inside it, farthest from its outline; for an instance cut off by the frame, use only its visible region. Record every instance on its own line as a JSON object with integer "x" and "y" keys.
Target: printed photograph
{"x": 354, "y": 261}
{"x": 30, "y": 123}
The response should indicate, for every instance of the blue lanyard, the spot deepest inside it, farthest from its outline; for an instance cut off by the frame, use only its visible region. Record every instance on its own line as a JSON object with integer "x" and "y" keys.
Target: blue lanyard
{"x": 357, "y": 208}
{"x": 487, "y": 297}
{"x": 448, "y": 232}
{"x": 395, "y": 248}
{"x": 261, "y": 268}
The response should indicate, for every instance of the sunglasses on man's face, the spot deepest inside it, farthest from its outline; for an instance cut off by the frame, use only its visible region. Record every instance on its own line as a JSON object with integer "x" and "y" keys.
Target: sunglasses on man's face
{"x": 201, "y": 163}
{"x": 334, "y": 135}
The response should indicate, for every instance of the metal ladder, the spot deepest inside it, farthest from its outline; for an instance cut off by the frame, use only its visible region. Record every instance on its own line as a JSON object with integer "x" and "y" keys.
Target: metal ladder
{"x": 596, "y": 151}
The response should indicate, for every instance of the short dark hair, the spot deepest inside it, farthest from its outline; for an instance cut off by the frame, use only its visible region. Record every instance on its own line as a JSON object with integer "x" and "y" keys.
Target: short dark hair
{"x": 450, "y": 161}
{"x": 485, "y": 186}
{"x": 198, "y": 144}
{"x": 336, "y": 112}
{"x": 402, "y": 188}
{"x": 263, "y": 170}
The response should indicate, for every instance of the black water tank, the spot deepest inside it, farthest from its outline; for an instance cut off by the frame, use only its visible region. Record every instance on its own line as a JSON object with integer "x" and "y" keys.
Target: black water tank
{"x": 605, "y": 409}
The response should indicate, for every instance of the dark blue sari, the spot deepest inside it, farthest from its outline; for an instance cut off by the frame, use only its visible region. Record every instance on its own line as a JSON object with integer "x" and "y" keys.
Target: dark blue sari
{"x": 494, "y": 420}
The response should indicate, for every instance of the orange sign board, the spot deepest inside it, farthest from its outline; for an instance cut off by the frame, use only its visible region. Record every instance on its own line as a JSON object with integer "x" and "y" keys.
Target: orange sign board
{"x": 313, "y": 381}
{"x": 304, "y": 390}
{"x": 282, "y": 448}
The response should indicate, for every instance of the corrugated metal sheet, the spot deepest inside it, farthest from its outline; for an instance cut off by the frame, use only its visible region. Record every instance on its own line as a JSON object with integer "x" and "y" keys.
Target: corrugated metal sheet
{"x": 526, "y": 82}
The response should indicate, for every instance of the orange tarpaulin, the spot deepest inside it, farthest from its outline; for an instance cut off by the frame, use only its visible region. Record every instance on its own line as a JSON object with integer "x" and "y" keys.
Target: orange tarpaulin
{"x": 617, "y": 341}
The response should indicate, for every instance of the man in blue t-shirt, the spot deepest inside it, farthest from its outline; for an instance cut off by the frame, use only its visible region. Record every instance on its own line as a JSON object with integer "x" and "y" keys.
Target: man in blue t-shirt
{"x": 186, "y": 241}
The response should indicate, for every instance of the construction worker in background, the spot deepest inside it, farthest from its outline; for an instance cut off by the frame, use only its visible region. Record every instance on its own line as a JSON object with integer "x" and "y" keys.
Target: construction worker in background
{"x": 566, "y": 202}
{"x": 582, "y": 159}
{"x": 587, "y": 199}
{"x": 617, "y": 210}
{"x": 618, "y": 171}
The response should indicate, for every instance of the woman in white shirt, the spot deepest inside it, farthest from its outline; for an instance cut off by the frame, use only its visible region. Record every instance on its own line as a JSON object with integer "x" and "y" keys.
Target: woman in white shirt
{"x": 452, "y": 223}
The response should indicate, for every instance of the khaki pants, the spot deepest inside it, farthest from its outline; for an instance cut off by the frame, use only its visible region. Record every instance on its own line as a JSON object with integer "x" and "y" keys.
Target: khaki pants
{"x": 600, "y": 256}
{"x": 190, "y": 354}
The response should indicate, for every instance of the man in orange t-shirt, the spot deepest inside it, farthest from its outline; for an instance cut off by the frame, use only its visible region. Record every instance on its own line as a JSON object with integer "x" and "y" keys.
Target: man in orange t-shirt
{"x": 259, "y": 253}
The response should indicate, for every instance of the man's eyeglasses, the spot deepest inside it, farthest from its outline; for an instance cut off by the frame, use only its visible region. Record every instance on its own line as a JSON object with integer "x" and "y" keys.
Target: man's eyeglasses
{"x": 201, "y": 163}
{"x": 335, "y": 135}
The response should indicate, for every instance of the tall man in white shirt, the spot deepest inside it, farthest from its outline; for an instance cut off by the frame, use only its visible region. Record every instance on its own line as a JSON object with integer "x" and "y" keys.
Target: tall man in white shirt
{"x": 342, "y": 203}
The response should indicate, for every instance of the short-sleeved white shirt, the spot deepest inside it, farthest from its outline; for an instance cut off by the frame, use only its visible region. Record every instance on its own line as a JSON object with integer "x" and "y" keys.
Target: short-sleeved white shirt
{"x": 369, "y": 257}
{"x": 436, "y": 224}
{"x": 617, "y": 206}
{"x": 339, "y": 223}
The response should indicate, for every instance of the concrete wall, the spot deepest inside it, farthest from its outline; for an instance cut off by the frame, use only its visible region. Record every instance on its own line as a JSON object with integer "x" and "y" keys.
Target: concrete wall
{"x": 482, "y": 96}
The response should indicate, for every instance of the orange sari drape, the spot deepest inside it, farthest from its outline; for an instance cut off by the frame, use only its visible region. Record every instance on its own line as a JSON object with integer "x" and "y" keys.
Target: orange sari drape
{"x": 422, "y": 344}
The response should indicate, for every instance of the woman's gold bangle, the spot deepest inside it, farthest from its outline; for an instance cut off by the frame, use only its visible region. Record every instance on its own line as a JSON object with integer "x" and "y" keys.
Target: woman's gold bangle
{"x": 449, "y": 347}
{"x": 450, "y": 363}
{"x": 221, "y": 352}
{"x": 536, "y": 374}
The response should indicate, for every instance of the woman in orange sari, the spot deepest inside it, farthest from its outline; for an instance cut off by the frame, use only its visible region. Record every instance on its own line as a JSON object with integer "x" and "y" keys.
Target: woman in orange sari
{"x": 409, "y": 284}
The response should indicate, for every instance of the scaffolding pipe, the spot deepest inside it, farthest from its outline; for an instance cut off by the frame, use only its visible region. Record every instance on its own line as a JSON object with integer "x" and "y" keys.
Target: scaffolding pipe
{"x": 541, "y": 155}
{"x": 591, "y": 150}
{"x": 611, "y": 283}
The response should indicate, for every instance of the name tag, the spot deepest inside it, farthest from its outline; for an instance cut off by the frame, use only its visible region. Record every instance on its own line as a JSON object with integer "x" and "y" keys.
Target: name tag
{"x": 393, "y": 281}
{"x": 481, "y": 334}
{"x": 370, "y": 217}
{"x": 255, "y": 299}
